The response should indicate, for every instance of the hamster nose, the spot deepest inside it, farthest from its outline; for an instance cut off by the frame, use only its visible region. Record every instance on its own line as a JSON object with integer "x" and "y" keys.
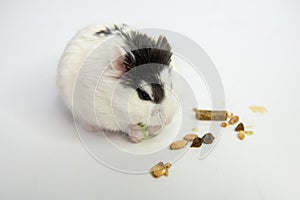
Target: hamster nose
{"x": 158, "y": 116}
{"x": 157, "y": 121}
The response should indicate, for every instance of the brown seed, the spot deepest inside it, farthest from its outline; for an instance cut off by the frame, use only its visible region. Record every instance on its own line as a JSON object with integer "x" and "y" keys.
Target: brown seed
{"x": 208, "y": 138}
{"x": 233, "y": 120}
{"x": 178, "y": 144}
{"x": 190, "y": 137}
{"x": 197, "y": 142}
{"x": 240, "y": 127}
{"x": 241, "y": 135}
{"x": 224, "y": 124}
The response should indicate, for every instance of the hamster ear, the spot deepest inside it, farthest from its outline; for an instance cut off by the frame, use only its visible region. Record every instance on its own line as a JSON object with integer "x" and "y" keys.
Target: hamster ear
{"x": 118, "y": 61}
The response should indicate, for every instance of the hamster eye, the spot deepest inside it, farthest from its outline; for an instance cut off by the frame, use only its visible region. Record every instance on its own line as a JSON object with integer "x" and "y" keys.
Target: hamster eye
{"x": 143, "y": 95}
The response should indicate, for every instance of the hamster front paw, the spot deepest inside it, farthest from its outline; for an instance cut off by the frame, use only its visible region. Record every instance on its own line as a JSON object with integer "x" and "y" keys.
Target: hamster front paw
{"x": 139, "y": 132}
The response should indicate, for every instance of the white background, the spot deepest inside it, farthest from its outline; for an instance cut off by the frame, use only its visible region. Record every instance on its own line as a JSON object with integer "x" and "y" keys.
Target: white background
{"x": 254, "y": 44}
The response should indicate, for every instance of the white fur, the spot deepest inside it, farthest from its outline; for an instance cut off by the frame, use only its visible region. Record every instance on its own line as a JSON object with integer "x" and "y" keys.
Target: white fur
{"x": 108, "y": 105}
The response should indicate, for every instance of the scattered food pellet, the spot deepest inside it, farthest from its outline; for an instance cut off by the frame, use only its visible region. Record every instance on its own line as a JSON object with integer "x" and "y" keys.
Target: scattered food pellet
{"x": 258, "y": 109}
{"x": 240, "y": 127}
{"x": 190, "y": 137}
{"x": 249, "y": 133}
{"x": 195, "y": 129}
{"x": 250, "y": 126}
{"x": 224, "y": 124}
{"x": 208, "y": 138}
{"x": 178, "y": 144}
{"x": 241, "y": 135}
{"x": 218, "y": 115}
{"x": 160, "y": 169}
{"x": 197, "y": 142}
{"x": 233, "y": 120}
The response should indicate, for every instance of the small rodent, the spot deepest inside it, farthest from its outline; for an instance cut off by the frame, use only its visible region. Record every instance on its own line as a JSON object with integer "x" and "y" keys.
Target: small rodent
{"x": 127, "y": 50}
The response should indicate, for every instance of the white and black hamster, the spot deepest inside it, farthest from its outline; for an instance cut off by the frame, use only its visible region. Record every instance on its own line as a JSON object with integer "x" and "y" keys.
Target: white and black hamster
{"x": 128, "y": 49}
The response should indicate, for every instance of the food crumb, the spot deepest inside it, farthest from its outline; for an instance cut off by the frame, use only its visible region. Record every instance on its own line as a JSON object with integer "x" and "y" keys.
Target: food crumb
{"x": 224, "y": 124}
{"x": 161, "y": 169}
{"x": 258, "y": 109}
{"x": 195, "y": 129}
{"x": 197, "y": 142}
{"x": 240, "y": 127}
{"x": 178, "y": 144}
{"x": 208, "y": 138}
{"x": 190, "y": 137}
{"x": 241, "y": 135}
{"x": 233, "y": 120}
{"x": 249, "y": 133}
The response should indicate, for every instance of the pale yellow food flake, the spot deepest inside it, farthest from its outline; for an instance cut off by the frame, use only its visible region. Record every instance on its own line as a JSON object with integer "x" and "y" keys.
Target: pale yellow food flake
{"x": 249, "y": 133}
{"x": 258, "y": 109}
{"x": 195, "y": 129}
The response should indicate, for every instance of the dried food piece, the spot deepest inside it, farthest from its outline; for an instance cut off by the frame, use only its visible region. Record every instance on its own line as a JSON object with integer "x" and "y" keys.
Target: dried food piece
{"x": 178, "y": 144}
{"x": 249, "y": 133}
{"x": 224, "y": 124}
{"x": 195, "y": 129}
{"x": 158, "y": 166}
{"x": 160, "y": 169}
{"x": 241, "y": 135}
{"x": 208, "y": 138}
{"x": 190, "y": 137}
{"x": 197, "y": 142}
{"x": 258, "y": 109}
{"x": 218, "y": 115}
{"x": 240, "y": 127}
{"x": 233, "y": 120}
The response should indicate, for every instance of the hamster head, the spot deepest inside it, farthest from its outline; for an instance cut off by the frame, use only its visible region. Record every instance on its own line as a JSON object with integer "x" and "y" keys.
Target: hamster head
{"x": 146, "y": 79}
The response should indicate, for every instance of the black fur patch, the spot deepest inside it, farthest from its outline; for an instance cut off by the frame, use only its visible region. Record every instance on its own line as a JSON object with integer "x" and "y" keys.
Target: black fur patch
{"x": 146, "y": 50}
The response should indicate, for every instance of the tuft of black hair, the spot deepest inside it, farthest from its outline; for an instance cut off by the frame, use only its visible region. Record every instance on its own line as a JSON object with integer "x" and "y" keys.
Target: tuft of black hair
{"x": 146, "y": 50}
